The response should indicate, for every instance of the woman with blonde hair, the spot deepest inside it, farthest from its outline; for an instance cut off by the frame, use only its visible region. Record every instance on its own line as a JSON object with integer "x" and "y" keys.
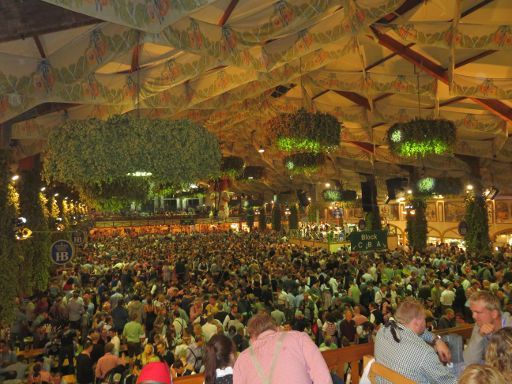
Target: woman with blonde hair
{"x": 481, "y": 374}
{"x": 148, "y": 355}
{"x": 499, "y": 352}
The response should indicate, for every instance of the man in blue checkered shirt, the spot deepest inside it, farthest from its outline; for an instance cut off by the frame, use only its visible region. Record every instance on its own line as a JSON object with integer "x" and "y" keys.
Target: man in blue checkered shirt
{"x": 407, "y": 348}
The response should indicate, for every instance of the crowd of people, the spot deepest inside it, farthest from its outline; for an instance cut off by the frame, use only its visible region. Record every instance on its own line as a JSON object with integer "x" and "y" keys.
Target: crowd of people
{"x": 186, "y": 300}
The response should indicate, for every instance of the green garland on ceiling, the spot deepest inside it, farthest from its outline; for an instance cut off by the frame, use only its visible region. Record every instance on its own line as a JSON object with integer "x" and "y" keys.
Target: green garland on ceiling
{"x": 477, "y": 235}
{"x": 303, "y": 163}
{"x": 304, "y": 131}
{"x": 417, "y": 224}
{"x": 232, "y": 166}
{"x": 336, "y": 195}
{"x": 116, "y": 195}
{"x": 10, "y": 259}
{"x": 422, "y": 137}
{"x": 446, "y": 186}
{"x": 92, "y": 152}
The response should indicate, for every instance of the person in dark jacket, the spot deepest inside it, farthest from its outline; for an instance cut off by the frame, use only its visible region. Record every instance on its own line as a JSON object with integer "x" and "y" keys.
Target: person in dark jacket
{"x": 84, "y": 371}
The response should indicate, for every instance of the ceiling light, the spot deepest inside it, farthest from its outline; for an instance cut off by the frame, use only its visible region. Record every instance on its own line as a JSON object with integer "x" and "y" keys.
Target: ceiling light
{"x": 327, "y": 185}
{"x": 15, "y": 177}
{"x": 469, "y": 187}
{"x": 261, "y": 150}
{"x": 56, "y": 194}
{"x": 43, "y": 189}
{"x": 409, "y": 191}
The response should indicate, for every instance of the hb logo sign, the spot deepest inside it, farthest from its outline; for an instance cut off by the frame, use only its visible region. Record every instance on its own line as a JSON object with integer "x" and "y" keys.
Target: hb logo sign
{"x": 61, "y": 252}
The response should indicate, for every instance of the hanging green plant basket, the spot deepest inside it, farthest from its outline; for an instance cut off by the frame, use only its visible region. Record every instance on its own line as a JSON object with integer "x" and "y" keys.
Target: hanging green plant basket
{"x": 446, "y": 186}
{"x": 304, "y": 131}
{"x": 336, "y": 195}
{"x": 232, "y": 166}
{"x": 422, "y": 137}
{"x": 94, "y": 152}
{"x": 303, "y": 163}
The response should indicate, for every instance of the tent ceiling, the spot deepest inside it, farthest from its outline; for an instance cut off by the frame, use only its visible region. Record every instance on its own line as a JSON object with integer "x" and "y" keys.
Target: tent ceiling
{"x": 219, "y": 61}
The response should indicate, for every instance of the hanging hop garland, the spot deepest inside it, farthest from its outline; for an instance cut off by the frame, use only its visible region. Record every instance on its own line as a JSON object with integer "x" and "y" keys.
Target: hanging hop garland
{"x": 303, "y": 163}
{"x": 336, "y": 195}
{"x": 422, "y": 137}
{"x": 446, "y": 186}
{"x": 232, "y": 166}
{"x": 304, "y": 131}
{"x": 92, "y": 152}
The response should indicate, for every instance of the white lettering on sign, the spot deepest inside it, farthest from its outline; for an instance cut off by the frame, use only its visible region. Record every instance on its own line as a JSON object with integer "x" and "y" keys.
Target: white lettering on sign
{"x": 61, "y": 256}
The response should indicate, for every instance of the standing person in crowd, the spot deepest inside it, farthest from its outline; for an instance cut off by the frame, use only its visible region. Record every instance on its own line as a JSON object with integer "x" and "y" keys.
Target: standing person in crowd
{"x": 279, "y": 357}
{"x": 84, "y": 370}
{"x": 403, "y": 346}
{"x": 486, "y": 310}
{"x": 219, "y": 360}
{"x": 133, "y": 332}
{"x": 107, "y": 362}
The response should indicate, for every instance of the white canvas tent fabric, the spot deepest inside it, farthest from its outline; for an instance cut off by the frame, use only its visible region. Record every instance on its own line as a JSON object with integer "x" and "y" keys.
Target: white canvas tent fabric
{"x": 218, "y": 61}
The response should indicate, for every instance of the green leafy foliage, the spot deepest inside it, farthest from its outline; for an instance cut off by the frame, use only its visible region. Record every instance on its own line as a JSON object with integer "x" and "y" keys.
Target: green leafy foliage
{"x": 417, "y": 225}
{"x": 336, "y": 195}
{"x": 9, "y": 247}
{"x": 446, "y": 186}
{"x": 232, "y": 166}
{"x": 293, "y": 219}
{"x": 35, "y": 250}
{"x": 262, "y": 219}
{"x": 373, "y": 220}
{"x": 303, "y": 163}
{"x": 477, "y": 236}
{"x": 95, "y": 152}
{"x": 250, "y": 217}
{"x": 276, "y": 217}
{"x": 303, "y": 131}
{"x": 421, "y": 137}
{"x": 115, "y": 195}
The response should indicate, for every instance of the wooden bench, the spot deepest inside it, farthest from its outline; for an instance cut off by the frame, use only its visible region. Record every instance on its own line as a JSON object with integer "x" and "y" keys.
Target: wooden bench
{"x": 379, "y": 370}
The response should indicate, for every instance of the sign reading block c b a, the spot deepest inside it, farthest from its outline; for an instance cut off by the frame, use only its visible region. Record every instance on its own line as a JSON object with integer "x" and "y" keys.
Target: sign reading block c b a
{"x": 369, "y": 241}
{"x": 61, "y": 252}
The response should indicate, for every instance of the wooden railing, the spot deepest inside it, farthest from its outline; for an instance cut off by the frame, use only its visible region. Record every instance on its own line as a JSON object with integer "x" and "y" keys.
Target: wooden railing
{"x": 338, "y": 359}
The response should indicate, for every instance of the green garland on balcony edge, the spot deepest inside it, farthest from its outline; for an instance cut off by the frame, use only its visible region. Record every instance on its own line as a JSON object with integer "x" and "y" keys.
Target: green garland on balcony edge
{"x": 303, "y": 163}
{"x": 304, "y": 131}
{"x": 422, "y": 137}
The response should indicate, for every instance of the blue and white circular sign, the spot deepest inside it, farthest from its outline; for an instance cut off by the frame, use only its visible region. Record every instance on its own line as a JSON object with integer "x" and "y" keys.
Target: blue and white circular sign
{"x": 61, "y": 252}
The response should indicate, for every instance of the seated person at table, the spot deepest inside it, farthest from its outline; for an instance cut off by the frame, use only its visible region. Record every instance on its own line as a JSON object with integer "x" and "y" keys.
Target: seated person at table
{"x": 402, "y": 346}
{"x": 486, "y": 310}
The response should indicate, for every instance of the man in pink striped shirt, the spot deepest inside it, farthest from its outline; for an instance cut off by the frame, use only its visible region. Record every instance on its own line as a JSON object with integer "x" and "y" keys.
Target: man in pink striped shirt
{"x": 279, "y": 357}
